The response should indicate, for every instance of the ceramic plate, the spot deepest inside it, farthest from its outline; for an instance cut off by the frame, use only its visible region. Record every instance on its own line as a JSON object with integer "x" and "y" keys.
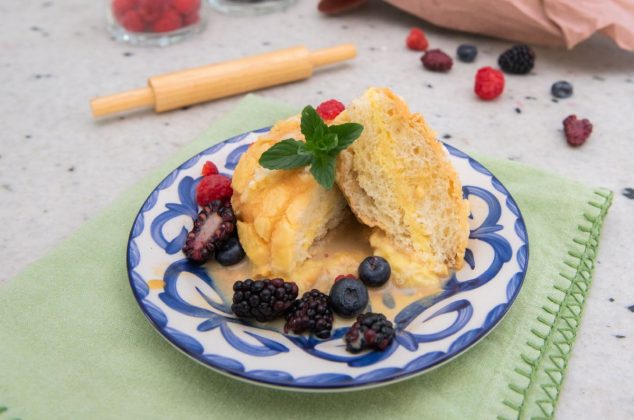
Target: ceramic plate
{"x": 185, "y": 304}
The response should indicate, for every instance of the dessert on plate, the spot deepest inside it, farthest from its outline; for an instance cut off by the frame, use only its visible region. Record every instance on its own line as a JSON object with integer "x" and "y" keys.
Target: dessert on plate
{"x": 344, "y": 205}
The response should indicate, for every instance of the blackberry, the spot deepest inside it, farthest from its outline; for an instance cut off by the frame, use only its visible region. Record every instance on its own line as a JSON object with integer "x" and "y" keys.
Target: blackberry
{"x": 561, "y": 89}
{"x": 310, "y": 314}
{"x": 467, "y": 53}
{"x": 214, "y": 225}
{"x": 519, "y": 59}
{"x": 263, "y": 300}
{"x": 371, "y": 331}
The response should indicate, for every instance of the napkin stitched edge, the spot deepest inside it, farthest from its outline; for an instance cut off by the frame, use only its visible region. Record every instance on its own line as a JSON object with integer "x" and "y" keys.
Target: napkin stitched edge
{"x": 541, "y": 369}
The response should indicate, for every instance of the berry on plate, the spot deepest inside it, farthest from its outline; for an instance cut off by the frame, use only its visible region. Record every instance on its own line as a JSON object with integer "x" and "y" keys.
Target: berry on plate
{"x": 231, "y": 252}
{"x": 348, "y": 297}
{"x": 328, "y": 110}
{"x": 150, "y": 10}
{"x": 214, "y": 225}
{"x": 311, "y": 314}
{"x": 213, "y": 187}
{"x": 371, "y": 331}
{"x": 374, "y": 271}
{"x": 120, "y": 7}
{"x": 209, "y": 168}
{"x": 436, "y": 60}
{"x": 416, "y": 40}
{"x": 489, "y": 83}
{"x": 263, "y": 300}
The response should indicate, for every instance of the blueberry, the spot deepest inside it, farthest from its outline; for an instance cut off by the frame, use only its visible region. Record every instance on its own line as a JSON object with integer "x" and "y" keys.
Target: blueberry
{"x": 348, "y": 297}
{"x": 230, "y": 252}
{"x": 467, "y": 53}
{"x": 561, "y": 89}
{"x": 374, "y": 271}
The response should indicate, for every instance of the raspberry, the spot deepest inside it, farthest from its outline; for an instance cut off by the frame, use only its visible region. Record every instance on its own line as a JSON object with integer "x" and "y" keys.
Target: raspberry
{"x": 213, "y": 187}
{"x": 209, "y": 169}
{"x": 577, "y": 131}
{"x": 344, "y": 276}
{"x": 519, "y": 59}
{"x": 489, "y": 83}
{"x": 185, "y": 7}
{"x": 151, "y": 10}
{"x": 132, "y": 22}
{"x": 191, "y": 19}
{"x": 436, "y": 60}
{"x": 212, "y": 228}
{"x": 170, "y": 21}
{"x": 120, "y": 7}
{"x": 416, "y": 40}
{"x": 328, "y": 110}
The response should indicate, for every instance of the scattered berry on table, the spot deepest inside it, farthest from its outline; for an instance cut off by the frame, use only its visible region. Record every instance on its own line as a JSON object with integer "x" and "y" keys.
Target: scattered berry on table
{"x": 518, "y": 59}
{"x": 348, "y": 297}
{"x": 467, "y": 53}
{"x": 328, "y": 110}
{"x": 416, "y": 40}
{"x": 231, "y": 252}
{"x": 577, "y": 131}
{"x": 489, "y": 83}
{"x": 213, "y": 226}
{"x": 370, "y": 331}
{"x": 185, "y": 7}
{"x": 263, "y": 300}
{"x": 561, "y": 89}
{"x": 436, "y": 60}
{"x": 311, "y": 314}
{"x": 209, "y": 168}
{"x": 374, "y": 271}
{"x": 131, "y": 21}
{"x": 169, "y": 21}
{"x": 213, "y": 187}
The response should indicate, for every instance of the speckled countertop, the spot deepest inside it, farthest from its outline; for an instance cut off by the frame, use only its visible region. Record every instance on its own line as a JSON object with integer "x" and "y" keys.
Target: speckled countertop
{"x": 58, "y": 167}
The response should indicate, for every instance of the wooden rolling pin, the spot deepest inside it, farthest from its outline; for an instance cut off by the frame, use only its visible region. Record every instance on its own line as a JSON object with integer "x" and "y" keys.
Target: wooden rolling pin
{"x": 187, "y": 87}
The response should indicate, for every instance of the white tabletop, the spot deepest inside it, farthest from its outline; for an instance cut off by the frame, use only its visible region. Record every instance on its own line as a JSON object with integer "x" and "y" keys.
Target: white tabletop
{"x": 59, "y": 168}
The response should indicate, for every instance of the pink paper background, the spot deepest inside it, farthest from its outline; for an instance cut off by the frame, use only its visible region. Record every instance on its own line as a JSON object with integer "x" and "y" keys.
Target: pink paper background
{"x": 543, "y": 22}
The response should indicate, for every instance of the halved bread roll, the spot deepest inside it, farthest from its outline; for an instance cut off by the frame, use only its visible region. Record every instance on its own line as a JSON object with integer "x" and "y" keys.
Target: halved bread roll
{"x": 281, "y": 213}
{"x": 398, "y": 180}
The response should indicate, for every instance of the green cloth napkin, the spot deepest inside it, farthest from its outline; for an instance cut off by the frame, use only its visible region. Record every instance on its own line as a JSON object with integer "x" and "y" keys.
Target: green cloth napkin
{"x": 75, "y": 345}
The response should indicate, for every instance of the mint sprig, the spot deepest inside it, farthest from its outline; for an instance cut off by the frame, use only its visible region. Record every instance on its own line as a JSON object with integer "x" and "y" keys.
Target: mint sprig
{"x": 323, "y": 144}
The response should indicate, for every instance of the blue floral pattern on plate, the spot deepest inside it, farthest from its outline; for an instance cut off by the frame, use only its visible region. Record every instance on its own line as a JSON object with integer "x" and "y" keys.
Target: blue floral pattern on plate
{"x": 191, "y": 312}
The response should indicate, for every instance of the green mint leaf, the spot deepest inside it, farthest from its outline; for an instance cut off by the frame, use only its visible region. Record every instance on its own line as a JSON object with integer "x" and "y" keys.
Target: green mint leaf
{"x": 326, "y": 142}
{"x": 323, "y": 170}
{"x": 287, "y": 154}
{"x": 312, "y": 125}
{"x": 346, "y": 134}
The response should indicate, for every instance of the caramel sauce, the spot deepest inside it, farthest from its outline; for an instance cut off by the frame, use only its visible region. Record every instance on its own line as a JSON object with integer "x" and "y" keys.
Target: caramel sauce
{"x": 339, "y": 252}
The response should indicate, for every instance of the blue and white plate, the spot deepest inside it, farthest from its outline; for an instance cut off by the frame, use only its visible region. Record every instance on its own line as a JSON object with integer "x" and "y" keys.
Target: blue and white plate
{"x": 185, "y": 305}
